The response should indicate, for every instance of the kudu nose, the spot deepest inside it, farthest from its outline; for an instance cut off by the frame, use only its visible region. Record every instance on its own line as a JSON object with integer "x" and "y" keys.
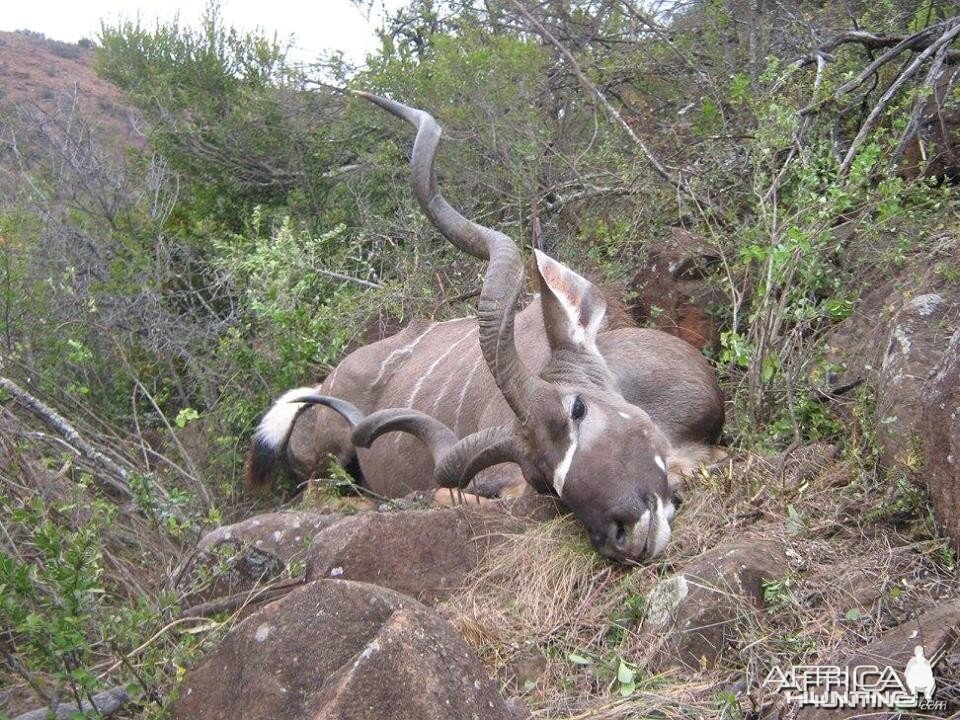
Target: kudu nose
{"x": 626, "y": 538}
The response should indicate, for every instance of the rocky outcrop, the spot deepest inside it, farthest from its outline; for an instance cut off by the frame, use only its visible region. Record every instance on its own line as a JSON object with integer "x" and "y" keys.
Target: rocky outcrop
{"x": 285, "y": 535}
{"x": 916, "y": 342}
{"x": 341, "y": 651}
{"x": 936, "y": 631}
{"x": 672, "y": 290}
{"x": 899, "y": 342}
{"x": 695, "y": 616}
{"x": 941, "y": 441}
{"x": 426, "y": 554}
{"x": 894, "y": 342}
{"x": 238, "y": 558}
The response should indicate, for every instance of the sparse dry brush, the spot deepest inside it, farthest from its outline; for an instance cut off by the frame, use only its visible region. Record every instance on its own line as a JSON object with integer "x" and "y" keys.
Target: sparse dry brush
{"x": 156, "y": 294}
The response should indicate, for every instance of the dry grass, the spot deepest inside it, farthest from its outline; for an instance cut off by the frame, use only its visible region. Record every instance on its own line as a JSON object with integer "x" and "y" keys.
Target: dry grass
{"x": 860, "y": 563}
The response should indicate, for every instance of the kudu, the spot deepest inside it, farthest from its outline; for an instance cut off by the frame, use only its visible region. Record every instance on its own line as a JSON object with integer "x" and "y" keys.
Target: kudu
{"x": 605, "y": 419}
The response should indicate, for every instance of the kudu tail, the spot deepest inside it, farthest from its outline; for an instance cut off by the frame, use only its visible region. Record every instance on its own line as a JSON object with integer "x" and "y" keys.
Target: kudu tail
{"x": 271, "y": 436}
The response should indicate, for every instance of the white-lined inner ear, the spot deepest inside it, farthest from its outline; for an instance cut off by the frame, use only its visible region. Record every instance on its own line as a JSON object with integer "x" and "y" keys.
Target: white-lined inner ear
{"x": 580, "y": 303}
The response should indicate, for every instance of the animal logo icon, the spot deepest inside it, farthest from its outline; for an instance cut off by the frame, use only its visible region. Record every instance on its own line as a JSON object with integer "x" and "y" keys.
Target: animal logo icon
{"x": 919, "y": 674}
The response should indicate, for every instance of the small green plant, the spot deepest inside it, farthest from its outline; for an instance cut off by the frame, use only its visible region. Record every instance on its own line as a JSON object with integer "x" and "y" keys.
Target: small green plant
{"x": 728, "y": 705}
{"x": 778, "y": 593}
{"x": 907, "y": 500}
{"x": 625, "y": 683}
{"x": 948, "y": 557}
{"x": 186, "y": 416}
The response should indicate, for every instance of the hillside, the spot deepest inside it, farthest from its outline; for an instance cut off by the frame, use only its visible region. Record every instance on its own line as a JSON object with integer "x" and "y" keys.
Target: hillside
{"x": 710, "y": 471}
{"x": 48, "y": 76}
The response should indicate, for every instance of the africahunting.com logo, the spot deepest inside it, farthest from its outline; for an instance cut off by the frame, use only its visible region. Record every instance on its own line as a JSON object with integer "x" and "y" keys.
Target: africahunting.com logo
{"x": 860, "y": 686}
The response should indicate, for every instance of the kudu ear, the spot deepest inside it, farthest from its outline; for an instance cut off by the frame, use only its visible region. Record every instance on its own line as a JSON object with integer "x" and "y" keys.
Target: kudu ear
{"x": 573, "y": 307}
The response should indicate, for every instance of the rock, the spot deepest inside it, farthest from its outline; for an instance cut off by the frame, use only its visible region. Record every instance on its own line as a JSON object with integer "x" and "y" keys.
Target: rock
{"x": 341, "y": 651}
{"x": 673, "y": 292}
{"x": 937, "y": 631}
{"x": 534, "y": 507}
{"x": 16, "y": 699}
{"x": 940, "y": 429}
{"x": 248, "y": 554}
{"x": 695, "y": 616}
{"x": 426, "y": 554}
{"x": 917, "y": 340}
{"x": 852, "y": 352}
{"x": 285, "y": 535}
{"x": 913, "y": 318}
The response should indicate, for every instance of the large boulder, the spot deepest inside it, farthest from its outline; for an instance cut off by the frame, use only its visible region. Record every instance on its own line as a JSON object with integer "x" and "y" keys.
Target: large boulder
{"x": 941, "y": 441}
{"x": 673, "y": 291}
{"x": 916, "y": 342}
{"x": 335, "y": 650}
{"x": 695, "y": 616}
{"x": 852, "y": 351}
{"x": 894, "y": 342}
{"x": 936, "y": 631}
{"x": 285, "y": 535}
{"x": 250, "y": 554}
{"x": 426, "y": 554}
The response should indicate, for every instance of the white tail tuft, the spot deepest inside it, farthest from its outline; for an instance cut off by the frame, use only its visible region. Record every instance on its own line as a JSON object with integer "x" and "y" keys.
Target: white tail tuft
{"x": 275, "y": 425}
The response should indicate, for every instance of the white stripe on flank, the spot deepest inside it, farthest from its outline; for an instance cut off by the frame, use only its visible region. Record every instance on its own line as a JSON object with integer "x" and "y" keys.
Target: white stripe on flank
{"x": 331, "y": 379}
{"x": 441, "y": 393}
{"x": 433, "y": 366}
{"x": 275, "y": 425}
{"x": 405, "y": 350}
{"x": 463, "y": 394}
{"x": 560, "y": 472}
{"x": 660, "y": 463}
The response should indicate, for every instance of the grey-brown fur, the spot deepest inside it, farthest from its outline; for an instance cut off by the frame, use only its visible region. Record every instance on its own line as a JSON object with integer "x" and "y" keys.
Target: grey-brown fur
{"x": 599, "y": 417}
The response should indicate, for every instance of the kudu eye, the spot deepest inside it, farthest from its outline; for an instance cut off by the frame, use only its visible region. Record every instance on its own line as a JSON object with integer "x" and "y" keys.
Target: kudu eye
{"x": 578, "y": 409}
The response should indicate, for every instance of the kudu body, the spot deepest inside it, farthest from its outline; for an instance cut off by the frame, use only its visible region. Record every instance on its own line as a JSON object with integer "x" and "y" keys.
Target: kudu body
{"x": 605, "y": 419}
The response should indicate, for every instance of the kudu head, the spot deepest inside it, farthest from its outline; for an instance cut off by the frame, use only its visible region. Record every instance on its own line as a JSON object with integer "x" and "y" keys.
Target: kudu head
{"x": 603, "y": 456}
{"x": 573, "y": 433}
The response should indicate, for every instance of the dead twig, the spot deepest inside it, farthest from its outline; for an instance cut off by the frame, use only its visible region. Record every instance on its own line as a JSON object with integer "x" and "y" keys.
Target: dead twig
{"x": 117, "y": 477}
{"x": 242, "y": 599}
{"x": 944, "y": 40}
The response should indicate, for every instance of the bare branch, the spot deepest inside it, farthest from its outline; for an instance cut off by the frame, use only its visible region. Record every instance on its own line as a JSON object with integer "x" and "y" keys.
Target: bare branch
{"x": 868, "y": 125}
{"x": 923, "y": 39}
{"x": 118, "y": 477}
{"x": 658, "y": 166}
{"x": 347, "y": 278}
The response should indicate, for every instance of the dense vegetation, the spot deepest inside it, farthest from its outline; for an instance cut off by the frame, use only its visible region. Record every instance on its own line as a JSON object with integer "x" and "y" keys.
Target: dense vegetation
{"x": 159, "y": 296}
